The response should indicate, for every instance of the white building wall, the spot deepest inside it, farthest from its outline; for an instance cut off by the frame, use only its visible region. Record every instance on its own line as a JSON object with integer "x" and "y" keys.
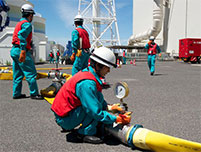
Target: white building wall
{"x": 177, "y": 23}
{"x": 6, "y": 45}
{"x": 42, "y": 48}
{"x": 39, "y": 37}
{"x": 143, "y": 19}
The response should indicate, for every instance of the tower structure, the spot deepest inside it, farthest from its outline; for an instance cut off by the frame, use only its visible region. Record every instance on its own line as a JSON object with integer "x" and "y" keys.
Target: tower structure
{"x": 100, "y": 21}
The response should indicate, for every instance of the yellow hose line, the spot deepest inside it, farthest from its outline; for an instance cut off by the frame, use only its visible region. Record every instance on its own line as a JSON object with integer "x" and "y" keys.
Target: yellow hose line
{"x": 6, "y": 76}
{"x": 63, "y": 68}
{"x": 158, "y": 142}
{"x": 49, "y": 100}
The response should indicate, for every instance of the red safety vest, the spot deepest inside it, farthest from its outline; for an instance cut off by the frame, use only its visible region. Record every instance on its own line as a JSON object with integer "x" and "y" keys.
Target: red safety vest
{"x": 66, "y": 99}
{"x": 58, "y": 54}
{"x": 152, "y": 49}
{"x": 51, "y": 55}
{"x": 85, "y": 38}
{"x": 16, "y": 40}
{"x": 124, "y": 54}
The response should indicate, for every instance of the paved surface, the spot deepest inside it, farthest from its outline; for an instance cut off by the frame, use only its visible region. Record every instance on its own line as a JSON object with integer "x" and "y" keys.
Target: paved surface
{"x": 169, "y": 102}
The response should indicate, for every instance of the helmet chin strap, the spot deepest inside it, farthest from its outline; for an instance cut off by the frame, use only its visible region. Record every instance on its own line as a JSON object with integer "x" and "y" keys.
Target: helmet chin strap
{"x": 97, "y": 69}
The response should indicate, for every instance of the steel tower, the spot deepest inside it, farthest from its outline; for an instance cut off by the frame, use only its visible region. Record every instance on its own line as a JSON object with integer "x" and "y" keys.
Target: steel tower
{"x": 100, "y": 21}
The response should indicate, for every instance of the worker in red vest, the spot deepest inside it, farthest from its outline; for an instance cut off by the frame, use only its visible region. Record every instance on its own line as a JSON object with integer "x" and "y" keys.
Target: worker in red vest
{"x": 124, "y": 57}
{"x": 152, "y": 50}
{"x": 80, "y": 46}
{"x": 57, "y": 56}
{"x": 80, "y": 102}
{"x": 23, "y": 64}
{"x": 51, "y": 56}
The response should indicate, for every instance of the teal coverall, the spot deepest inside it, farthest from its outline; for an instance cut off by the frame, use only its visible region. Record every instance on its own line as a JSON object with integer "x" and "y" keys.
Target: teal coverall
{"x": 51, "y": 58}
{"x": 27, "y": 68}
{"x": 152, "y": 58}
{"x": 80, "y": 62}
{"x": 57, "y": 57}
{"x": 90, "y": 112}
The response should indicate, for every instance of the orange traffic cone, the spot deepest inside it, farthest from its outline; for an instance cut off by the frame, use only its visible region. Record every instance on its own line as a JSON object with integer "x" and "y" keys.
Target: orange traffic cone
{"x": 134, "y": 62}
{"x": 89, "y": 62}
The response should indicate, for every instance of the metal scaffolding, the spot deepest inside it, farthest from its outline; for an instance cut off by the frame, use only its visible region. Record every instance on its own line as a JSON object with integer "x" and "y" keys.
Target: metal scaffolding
{"x": 100, "y": 21}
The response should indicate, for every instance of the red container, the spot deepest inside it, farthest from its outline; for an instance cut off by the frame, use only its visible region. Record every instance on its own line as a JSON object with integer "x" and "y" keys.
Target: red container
{"x": 189, "y": 49}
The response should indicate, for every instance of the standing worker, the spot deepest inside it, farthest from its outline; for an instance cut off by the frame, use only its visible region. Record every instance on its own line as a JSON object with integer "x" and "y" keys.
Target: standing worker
{"x": 23, "y": 64}
{"x": 51, "y": 56}
{"x": 124, "y": 57}
{"x": 80, "y": 100}
{"x": 152, "y": 48}
{"x": 57, "y": 56}
{"x": 80, "y": 45}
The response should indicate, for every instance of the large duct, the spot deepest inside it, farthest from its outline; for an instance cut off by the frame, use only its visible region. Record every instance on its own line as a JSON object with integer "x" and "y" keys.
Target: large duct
{"x": 157, "y": 24}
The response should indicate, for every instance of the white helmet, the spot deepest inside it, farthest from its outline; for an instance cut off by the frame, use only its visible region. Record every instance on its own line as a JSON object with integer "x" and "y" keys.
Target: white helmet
{"x": 27, "y": 8}
{"x": 104, "y": 56}
{"x": 152, "y": 38}
{"x": 78, "y": 18}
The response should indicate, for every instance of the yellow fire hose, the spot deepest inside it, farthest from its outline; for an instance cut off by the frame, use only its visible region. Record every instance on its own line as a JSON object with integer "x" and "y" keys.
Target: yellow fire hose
{"x": 158, "y": 142}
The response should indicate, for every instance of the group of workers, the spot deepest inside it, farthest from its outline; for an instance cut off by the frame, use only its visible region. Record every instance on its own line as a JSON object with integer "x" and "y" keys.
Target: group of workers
{"x": 51, "y": 56}
{"x": 80, "y": 102}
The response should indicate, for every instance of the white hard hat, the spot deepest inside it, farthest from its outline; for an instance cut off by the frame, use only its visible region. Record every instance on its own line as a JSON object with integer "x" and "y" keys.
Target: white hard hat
{"x": 27, "y": 8}
{"x": 152, "y": 38}
{"x": 78, "y": 18}
{"x": 104, "y": 56}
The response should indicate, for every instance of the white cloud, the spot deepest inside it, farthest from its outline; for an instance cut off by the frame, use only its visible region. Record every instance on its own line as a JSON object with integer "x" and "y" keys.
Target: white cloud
{"x": 67, "y": 10}
{"x": 120, "y": 5}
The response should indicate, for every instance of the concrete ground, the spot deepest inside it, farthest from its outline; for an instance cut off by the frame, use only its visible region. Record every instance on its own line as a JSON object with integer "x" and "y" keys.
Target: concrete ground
{"x": 169, "y": 102}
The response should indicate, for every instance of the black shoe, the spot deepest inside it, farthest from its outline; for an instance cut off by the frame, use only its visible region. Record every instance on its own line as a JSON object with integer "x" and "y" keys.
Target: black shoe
{"x": 90, "y": 139}
{"x": 37, "y": 97}
{"x": 152, "y": 73}
{"x": 21, "y": 96}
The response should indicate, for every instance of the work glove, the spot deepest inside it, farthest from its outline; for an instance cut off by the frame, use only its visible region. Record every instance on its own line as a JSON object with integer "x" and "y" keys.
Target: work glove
{"x": 79, "y": 53}
{"x": 114, "y": 108}
{"x": 72, "y": 58}
{"x": 124, "y": 118}
{"x": 22, "y": 56}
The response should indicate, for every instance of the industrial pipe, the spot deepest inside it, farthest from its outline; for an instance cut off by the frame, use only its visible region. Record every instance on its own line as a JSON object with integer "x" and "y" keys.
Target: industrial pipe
{"x": 157, "y": 24}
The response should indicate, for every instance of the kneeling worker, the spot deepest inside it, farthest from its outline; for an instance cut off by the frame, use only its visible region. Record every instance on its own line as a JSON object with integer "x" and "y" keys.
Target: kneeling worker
{"x": 80, "y": 100}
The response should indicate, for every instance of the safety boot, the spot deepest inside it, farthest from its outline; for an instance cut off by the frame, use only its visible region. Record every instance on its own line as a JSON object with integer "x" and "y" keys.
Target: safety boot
{"x": 89, "y": 139}
{"x": 37, "y": 97}
{"x": 21, "y": 96}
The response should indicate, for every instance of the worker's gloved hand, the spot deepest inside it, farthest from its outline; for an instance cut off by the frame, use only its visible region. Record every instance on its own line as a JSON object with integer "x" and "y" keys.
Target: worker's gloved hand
{"x": 159, "y": 54}
{"x": 124, "y": 118}
{"x": 114, "y": 108}
{"x": 22, "y": 56}
{"x": 79, "y": 53}
{"x": 72, "y": 58}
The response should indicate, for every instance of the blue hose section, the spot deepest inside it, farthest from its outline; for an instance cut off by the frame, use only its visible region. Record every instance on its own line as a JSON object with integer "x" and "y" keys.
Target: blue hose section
{"x": 130, "y": 137}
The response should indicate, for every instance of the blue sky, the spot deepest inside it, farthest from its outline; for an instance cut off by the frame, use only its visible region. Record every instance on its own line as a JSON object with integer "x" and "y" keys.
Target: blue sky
{"x": 59, "y": 15}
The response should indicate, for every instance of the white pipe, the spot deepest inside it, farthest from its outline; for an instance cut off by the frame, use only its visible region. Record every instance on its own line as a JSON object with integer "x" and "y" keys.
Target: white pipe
{"x": 157, "y": 24}
{"x": 96, "y": 24}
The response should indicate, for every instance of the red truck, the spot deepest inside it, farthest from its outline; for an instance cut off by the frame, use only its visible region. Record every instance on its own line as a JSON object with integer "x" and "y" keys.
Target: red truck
{"x": 190, "y": 50}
